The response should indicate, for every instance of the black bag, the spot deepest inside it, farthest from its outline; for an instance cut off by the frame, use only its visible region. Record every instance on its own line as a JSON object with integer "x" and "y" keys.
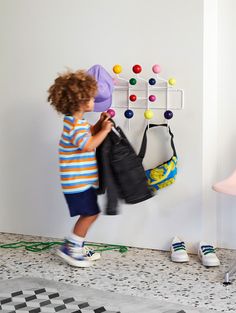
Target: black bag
{"x": 128, "y": 169}
{"x": 129, "y": 178}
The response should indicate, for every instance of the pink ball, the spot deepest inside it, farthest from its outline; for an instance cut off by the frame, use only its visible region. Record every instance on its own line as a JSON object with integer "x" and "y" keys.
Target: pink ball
{"x": 152, "y": 98}
{"x": 156, "y": 69}
{"x": 111, "y": 112}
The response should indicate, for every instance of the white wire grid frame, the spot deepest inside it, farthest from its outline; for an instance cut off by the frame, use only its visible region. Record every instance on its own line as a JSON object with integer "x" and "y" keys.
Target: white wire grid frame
{"x": 161, "y": 86}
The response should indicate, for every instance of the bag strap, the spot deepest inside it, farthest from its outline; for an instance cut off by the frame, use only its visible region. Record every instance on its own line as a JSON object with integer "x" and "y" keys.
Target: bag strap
{"x": 143, "y": 147}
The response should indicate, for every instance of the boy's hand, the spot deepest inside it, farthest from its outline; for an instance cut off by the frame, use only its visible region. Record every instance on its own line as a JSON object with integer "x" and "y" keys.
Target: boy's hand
{"x": 107, "y": 124}
{"x": 98, "y": 126}
{"x": 103, "y": 116}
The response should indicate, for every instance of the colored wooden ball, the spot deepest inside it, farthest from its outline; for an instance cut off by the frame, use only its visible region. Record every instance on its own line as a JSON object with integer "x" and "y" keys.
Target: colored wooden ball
{"x": 137, "y": 68}
{"x": 117, "y": 69}
{"x": 152, "y": 81}
{"x": 132, "y": 98}
{"x": 111, "y": 112}
{"x": 168, "y": 114}
{"x": 152, "y": 98}
{"x": 156, "y": 69}
{"x": 172, "y": 81}
{"x": 133, "y": 81}
{"x": 148, "y": 114}
{"x": 129, "y": 113}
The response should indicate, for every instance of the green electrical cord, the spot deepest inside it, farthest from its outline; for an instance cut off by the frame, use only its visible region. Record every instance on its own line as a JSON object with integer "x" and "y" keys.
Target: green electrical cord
{"x": 41, "y": 246}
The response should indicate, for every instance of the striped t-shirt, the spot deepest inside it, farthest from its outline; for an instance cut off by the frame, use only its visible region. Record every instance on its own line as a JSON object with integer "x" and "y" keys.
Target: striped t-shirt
{"x": 78, "y": 169}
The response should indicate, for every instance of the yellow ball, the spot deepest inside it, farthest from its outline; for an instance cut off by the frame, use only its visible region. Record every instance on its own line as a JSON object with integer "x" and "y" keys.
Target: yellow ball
{"x": 172, "y": 81}
{"x": 148, "y": 114}
{"x": 117, "y": 69}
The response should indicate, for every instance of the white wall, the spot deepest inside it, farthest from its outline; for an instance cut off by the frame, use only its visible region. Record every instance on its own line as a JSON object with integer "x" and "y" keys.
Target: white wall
{"x": 210, "y": 121}
{"x": 227, "y": 127}
{"x": 40, "y": 39}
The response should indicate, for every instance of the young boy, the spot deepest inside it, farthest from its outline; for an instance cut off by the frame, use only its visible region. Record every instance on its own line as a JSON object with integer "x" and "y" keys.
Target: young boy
{"x": 72, "y": 94}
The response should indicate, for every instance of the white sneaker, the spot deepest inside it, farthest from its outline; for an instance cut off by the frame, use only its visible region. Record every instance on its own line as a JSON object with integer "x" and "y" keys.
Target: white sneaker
{"x": 207, "y": 255}
{"x": 178, "y": 251}
{"x": 90, "y": 254}
{"x": 72, "y": 253}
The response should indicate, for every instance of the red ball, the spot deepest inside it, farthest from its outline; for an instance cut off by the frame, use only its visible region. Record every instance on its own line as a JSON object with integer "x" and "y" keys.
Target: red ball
{"x": 132, "y": 98}
{"x": 137, "y": 69}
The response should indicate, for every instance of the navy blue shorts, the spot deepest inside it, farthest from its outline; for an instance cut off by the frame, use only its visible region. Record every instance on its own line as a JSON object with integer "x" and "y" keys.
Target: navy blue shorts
{"x": 82, "y": 203}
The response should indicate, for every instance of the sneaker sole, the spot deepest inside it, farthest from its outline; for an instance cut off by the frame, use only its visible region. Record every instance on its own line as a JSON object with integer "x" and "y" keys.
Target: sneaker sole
{"x": 179, "y": 260}
{"x": 71, "y": 261}
{"x": 211, "y": 264}
{"x": 208, "y": 264}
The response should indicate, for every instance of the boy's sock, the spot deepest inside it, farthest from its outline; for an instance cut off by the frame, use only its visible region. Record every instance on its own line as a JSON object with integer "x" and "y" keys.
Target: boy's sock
{"x": 77, "y": 239}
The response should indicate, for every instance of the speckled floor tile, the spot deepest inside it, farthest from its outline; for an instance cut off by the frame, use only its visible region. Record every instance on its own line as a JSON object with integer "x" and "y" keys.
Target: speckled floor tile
{"x": 139, "y": 272}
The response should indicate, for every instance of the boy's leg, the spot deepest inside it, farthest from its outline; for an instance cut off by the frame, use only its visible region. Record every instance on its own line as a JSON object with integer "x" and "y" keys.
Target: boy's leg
{"x": 83, "y": 224}
{"x": 80, "y": 231}
{"x": 73, "y": 250}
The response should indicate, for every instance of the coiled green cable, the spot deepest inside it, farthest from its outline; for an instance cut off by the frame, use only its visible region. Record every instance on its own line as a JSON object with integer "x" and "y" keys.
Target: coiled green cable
{"x": 41, "y": 246}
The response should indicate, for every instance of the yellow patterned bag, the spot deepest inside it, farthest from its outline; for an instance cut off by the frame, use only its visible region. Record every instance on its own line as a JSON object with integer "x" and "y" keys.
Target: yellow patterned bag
{"x": 164, "y": 174}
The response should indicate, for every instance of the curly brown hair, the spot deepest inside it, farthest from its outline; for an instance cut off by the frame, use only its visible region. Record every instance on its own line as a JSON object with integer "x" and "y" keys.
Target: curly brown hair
{"x": 71, "y": 90}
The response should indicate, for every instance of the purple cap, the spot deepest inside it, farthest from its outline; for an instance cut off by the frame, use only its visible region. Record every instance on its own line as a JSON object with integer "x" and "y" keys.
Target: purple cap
{"x": 103, "y": 99}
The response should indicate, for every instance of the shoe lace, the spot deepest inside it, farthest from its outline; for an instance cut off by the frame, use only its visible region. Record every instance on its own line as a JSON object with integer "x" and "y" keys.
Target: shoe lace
{"x": 179, "y": 246}
{"x": 207, "y": 249}
{"x": 88, "y": 251}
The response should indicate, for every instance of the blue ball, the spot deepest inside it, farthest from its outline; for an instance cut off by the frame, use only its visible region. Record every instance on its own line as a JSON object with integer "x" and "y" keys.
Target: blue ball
{"x": 129, "y": 113}
{"x": 168, "y": 114}
{"x": 152, "y": 81}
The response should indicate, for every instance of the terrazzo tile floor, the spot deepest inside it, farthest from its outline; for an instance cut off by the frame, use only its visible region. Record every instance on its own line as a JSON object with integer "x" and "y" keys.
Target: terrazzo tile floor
{"x": 139, "y": 272}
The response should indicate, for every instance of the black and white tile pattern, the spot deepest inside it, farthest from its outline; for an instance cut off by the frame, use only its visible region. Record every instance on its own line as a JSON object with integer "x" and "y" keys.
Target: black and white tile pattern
{"x": 45, "y": 300}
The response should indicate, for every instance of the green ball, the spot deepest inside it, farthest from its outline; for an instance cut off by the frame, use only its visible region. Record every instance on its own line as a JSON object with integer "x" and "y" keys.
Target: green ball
{"x": 133, "y": 81}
